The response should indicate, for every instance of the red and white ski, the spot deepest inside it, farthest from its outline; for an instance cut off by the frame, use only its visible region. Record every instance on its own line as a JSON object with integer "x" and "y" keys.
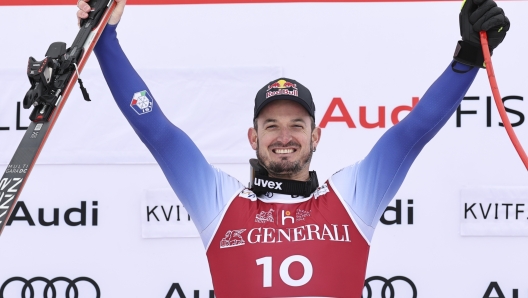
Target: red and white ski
{"x": 52, "y": 80}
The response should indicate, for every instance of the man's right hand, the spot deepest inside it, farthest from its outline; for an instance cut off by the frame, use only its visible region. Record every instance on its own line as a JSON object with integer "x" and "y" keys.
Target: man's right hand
{"x": 84, "y": 9}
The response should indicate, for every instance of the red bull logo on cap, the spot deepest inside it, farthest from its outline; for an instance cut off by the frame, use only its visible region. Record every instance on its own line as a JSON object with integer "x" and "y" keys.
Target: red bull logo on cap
{"x": 282, "y": 87}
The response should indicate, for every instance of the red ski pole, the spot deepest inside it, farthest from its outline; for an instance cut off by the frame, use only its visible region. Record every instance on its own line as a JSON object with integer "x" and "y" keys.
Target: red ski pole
{"x": 498, "y": 99}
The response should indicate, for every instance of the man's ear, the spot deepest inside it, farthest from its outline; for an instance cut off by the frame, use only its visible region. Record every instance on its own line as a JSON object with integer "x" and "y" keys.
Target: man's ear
{"x": 252, "y": 137}
{"x": 316, "y": 136}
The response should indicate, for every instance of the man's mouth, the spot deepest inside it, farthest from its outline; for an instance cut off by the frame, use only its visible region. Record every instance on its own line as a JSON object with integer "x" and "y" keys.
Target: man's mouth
{"x": 283, "y": 150}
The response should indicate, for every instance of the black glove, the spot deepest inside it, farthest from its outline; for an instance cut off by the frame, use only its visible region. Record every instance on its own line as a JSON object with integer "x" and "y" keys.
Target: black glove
{"x": 476, "y": 16}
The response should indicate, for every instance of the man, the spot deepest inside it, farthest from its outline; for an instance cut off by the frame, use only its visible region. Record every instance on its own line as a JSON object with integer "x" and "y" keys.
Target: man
{"x": 287, "y": 236}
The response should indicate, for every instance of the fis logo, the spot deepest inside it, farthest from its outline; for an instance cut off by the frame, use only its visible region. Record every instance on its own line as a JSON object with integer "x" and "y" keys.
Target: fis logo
{"x": 142, "y": 102}
{"x": 477, "y": 107}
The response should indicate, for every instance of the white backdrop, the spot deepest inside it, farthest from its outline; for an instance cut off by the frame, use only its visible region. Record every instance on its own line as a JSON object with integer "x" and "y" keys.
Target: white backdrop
{"x": 368, "y": 54}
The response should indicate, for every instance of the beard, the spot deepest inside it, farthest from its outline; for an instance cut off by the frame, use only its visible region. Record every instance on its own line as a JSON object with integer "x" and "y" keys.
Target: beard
{"x": 284, "y": 166}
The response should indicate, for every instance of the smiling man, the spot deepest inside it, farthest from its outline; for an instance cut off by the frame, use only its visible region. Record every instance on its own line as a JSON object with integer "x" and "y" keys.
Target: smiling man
{"x": 284, "y": 111}
{"x": 287, "y": 235}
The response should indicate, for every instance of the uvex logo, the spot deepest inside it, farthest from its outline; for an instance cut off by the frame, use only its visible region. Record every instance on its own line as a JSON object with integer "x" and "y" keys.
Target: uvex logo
{"x": 268, "y": 184}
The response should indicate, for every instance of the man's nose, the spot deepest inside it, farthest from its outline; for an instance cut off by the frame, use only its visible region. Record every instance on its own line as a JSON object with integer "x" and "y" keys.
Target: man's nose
{"x": 285, "y": 135}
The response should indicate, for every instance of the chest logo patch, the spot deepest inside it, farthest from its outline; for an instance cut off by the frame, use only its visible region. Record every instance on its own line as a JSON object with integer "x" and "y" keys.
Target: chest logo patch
{"x": 142, "y": 102}
{"x": 322, "y": 190}
{"x": 232, "y": 238}
{"x": 301, "y": 214}
{"x": 264, "y": 217}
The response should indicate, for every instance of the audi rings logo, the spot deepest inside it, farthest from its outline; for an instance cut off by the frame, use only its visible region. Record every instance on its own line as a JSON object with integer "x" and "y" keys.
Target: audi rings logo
{"x": 72, "y": 287}
{"x": 388, "y": 287}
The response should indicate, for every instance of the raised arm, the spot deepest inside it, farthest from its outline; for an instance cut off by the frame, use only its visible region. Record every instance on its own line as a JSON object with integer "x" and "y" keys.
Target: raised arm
{"x": 382, "y": 172}
{"x": 369, "y": 186}
{"x": 201, "y": 188}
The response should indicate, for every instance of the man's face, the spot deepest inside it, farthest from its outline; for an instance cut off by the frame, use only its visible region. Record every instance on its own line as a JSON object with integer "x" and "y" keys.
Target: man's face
{"x": 284, "y": 139}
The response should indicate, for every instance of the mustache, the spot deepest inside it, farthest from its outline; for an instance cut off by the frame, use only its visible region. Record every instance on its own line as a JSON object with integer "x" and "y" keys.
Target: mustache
{"x": 281, "y": 145}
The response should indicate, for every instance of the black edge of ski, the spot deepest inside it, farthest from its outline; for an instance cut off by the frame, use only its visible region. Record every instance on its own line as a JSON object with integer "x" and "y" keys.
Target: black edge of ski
{"x": 66, "y": 65}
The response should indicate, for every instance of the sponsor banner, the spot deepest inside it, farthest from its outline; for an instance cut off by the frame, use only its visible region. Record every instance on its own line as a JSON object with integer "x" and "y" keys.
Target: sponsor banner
{"x": 359, "y": 92}
{"x": 49, "y": 287}
{"x": 494, "y": 211}
{"x": 176, "y": 291}
{"x": 398, "y": 215}
{"x": 97, "y": 132}
{"x": 375, "y": 287}
{"x": 494, "y": 290}
{"x": 84, "y": 214}
{"x": 163, "y": 216}
{"x": 396, "y": 286}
